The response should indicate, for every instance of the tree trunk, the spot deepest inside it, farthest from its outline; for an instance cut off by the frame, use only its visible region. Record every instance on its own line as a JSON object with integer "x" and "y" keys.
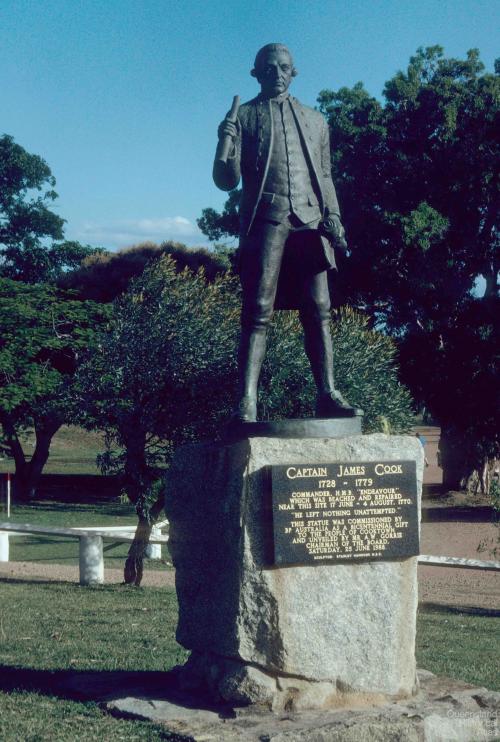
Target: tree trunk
{"x": 485, "y": 480}
{"x": 27, "y": 474}
{"x": 491, "y": 287}
{"x": 44, "y": 432}
{"x": 134, "y": 566}
{"x": 16, "y": 452}
{"x": 463, "y": 470}
{"x": 13, "y": 442}
{"x": 451, "y": 460}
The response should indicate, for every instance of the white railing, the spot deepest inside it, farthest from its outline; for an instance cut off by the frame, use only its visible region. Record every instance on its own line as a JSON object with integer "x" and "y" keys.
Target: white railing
{"x": 91, "y": 554}
{"x": 444, "y": 561}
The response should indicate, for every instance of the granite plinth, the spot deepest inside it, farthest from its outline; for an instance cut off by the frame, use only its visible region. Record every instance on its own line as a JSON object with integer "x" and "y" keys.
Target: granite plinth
{"x": 304, "y": 636}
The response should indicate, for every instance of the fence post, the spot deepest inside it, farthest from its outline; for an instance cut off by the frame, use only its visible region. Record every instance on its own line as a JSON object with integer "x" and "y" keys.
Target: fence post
{"x": 91, "y": 560}
{"x": 4, "y": 546}
{"x": 153, "y": 551}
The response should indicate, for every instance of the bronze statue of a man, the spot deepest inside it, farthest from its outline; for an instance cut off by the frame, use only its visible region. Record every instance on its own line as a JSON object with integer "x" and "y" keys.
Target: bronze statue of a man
{"x": 281, "y": 150}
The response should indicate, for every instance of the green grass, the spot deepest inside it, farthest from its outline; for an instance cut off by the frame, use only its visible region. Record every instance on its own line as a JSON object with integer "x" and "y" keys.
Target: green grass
{"x": 36, "y": 548}
{"x": 458, "y": 644}
{"x": 31, "y": 717}
{"x": 73, "y": 451}
{"x": 51, "y": 627}
{"x": 59, "y": 626}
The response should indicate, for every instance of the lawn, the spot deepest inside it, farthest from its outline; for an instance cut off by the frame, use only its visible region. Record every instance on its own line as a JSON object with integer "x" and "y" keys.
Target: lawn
{"x": 73, "y": 451}
{"x": 459, "y": 644}
{"x": 51, "y": 627}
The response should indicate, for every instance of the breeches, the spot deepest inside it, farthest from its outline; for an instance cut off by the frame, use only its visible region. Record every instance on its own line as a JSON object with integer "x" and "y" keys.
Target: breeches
{"x": 261, "y": 259}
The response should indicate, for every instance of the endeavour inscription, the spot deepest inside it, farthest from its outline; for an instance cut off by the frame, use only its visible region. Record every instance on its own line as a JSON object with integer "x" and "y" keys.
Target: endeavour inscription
{"x": 344, "y": 512}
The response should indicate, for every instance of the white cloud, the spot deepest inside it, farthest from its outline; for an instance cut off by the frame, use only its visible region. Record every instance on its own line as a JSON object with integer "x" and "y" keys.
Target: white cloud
{"x": 121, "y": 233}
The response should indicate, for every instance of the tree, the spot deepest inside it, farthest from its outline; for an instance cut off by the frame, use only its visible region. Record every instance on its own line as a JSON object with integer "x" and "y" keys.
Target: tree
{"x": 462, "y": 391}
{"x": 104, "y": 276}
{"x": 43, "y": 332}
{"x": 165, "y": 374}
{"x": 226, "y": 224}
{"x": 26, "y": 191}
{"x": 25, "y": 219}
{"x": 418, "y": 184}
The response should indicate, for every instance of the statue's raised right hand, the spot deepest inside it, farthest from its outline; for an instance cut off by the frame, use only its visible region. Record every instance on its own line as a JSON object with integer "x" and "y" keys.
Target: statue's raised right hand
{"x": 229, "y": 128}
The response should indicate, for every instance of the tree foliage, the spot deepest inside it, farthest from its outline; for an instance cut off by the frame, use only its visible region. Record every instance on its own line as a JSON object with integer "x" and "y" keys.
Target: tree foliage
{"x": 24, "y": 215}
{"x": 418, "y": 182}
{"x": 26, "y": 221}
{"x": 104, "y": 276}
{"x": 163, "y": 373}
{"x": 226, "y": 224}
{"x": 43, "y": 333}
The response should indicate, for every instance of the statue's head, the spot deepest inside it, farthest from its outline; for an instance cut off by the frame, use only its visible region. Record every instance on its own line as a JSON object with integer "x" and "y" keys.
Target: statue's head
{"x": 273, "y": 68}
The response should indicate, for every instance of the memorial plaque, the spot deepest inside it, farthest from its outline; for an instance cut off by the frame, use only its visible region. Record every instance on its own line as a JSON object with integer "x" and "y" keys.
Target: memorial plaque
{"x": 344, "y": 511}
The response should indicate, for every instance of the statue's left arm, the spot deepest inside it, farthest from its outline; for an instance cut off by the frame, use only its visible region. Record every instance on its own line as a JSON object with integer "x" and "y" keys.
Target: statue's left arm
{"x": 329, "y": 194}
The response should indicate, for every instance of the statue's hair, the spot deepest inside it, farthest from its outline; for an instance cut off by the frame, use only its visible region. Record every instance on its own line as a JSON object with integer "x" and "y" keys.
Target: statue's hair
{"x": 270, "y": 48}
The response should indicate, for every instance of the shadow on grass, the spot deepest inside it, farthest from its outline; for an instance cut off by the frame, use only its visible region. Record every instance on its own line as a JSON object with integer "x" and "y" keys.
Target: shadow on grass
{"x": 102, "y": 686}
{"x": 39, "y": 581}
{"x": 106, "y": 508}
{"x": 110, "y": 586}
{"x": 458, "y": 609}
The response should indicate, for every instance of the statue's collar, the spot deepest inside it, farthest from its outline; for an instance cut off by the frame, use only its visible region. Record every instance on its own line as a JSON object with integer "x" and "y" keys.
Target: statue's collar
{"x": 276, "y": 99}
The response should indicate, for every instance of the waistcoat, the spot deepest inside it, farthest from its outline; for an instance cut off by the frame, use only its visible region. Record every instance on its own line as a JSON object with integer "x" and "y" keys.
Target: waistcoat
{"x": 288, "y": 177}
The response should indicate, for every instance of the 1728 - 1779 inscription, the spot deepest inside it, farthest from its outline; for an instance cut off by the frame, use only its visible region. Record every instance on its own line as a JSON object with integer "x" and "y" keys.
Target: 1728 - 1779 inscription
{"x": 345, "y": 512}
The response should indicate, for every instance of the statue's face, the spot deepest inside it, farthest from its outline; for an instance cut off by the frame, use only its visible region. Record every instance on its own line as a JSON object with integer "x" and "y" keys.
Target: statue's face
{"x": 275, "y": 73}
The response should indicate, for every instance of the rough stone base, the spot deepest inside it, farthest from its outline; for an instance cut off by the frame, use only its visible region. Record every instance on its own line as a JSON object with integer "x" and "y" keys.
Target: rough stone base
{"x": 444, "y": 710}
{"x": 237, "y": 682}
{"x": 308, "y": 635}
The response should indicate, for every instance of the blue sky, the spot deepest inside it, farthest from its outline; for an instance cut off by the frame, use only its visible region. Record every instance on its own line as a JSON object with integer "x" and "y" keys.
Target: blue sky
{"x": 122, "y": 98}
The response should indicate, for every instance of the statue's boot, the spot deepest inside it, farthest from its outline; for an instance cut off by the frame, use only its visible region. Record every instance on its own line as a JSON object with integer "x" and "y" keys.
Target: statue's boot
{"x": 319, "y": 349}
{"x": 250, "y": 358}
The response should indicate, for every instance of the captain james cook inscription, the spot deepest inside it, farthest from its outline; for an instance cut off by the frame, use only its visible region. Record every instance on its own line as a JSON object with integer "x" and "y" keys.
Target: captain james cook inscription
{"x": 343, "y": 512}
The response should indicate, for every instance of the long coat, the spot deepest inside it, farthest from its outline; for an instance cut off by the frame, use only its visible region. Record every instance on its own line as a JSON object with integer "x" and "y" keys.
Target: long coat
{"x": 252, "y": 153}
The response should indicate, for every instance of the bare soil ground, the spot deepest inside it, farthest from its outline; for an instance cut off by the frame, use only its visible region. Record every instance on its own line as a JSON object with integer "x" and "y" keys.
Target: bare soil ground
{"x": 467, "y": 588}
{"x": 37, "y": 571}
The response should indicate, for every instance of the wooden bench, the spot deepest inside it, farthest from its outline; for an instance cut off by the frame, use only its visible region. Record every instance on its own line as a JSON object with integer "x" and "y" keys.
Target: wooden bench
{"x": 90, "y": 542}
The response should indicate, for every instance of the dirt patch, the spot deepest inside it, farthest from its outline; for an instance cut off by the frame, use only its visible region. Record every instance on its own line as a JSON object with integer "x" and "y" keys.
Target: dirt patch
{"x": 37, "y": 571}
{"x": 470, "y": 588}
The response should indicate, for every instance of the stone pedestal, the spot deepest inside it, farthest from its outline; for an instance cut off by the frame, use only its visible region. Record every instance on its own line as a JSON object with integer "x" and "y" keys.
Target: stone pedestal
{"x": 302, "y": 636}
